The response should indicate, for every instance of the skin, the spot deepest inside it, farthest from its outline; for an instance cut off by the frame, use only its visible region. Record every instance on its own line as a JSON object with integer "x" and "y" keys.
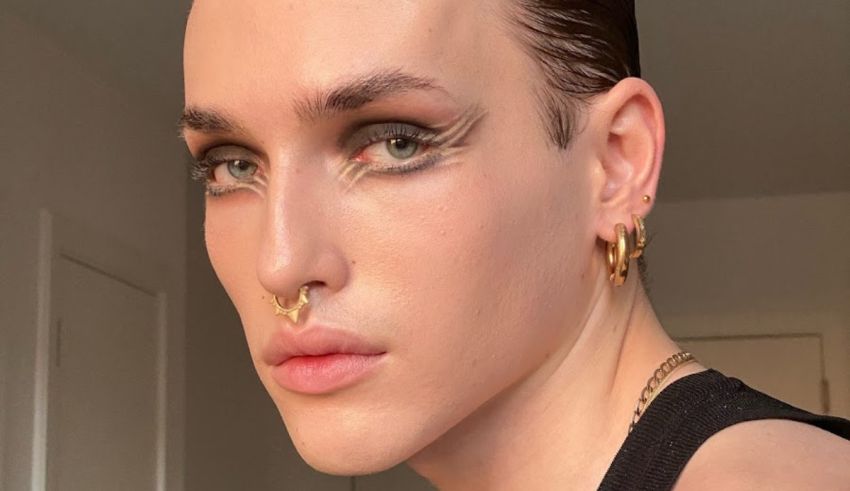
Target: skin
{"x": 512, "y": 361}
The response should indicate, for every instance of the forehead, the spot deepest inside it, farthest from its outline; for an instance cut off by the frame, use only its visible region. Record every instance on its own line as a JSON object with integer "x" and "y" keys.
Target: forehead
{"x": 246, "y": 48}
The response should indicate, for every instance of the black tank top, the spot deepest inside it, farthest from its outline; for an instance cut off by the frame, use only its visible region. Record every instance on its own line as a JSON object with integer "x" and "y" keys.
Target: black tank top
{"x": 683, "y": 415}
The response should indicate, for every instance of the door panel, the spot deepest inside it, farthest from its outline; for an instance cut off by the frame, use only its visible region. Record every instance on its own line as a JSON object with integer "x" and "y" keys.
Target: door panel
{"x": 102, "y": 417}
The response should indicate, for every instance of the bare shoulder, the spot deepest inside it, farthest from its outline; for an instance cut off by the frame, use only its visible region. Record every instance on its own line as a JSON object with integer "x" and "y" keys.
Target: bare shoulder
{"x": 769, "y": 454}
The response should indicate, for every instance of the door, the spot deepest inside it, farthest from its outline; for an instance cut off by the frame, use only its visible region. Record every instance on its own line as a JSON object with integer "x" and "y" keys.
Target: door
{"x": 103, "y": 378}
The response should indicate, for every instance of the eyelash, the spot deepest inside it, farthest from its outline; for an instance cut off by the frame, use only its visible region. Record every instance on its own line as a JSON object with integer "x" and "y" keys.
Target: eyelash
{"x": 404, "y": 131}
{"x": 202, "y": 168}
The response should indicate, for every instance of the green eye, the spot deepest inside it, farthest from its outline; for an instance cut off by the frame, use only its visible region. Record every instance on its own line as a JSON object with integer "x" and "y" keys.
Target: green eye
{"x": 401, "y": 148}
{"x": 241, "y": 169}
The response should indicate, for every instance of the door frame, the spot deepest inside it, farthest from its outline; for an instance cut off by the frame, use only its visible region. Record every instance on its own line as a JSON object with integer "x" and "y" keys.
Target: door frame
{"x": 61, "y": 238}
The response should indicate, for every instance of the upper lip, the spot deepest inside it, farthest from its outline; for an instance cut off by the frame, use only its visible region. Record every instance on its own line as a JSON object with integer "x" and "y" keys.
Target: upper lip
{"x": 315, "y": 340}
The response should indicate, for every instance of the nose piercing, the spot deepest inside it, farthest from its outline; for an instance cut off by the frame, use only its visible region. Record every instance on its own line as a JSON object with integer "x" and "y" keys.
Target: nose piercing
{"x": 292, "y": 312}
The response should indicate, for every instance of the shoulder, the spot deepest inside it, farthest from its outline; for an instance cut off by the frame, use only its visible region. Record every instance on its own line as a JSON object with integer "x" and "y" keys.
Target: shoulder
{"x": 769, "y": 454}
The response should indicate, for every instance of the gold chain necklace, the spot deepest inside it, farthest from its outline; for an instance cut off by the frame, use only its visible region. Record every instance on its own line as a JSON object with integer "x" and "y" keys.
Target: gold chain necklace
{"x": 648, "y": 393}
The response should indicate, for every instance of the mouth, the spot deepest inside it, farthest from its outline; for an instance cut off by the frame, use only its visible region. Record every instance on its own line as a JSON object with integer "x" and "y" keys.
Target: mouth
{"x": 321, "y": 374}
{"x": 319, "y": 359}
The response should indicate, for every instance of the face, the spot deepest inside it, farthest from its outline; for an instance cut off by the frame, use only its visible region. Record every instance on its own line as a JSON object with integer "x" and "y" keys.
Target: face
{"x": 391, "y": 156}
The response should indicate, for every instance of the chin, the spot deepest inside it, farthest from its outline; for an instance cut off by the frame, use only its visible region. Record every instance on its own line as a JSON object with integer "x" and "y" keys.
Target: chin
{"x": 345, "y": 464}
{"x": 345, "y": 444}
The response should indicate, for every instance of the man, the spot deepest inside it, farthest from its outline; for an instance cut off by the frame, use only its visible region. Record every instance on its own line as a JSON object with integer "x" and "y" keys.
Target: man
{"x": 420, "y": 209}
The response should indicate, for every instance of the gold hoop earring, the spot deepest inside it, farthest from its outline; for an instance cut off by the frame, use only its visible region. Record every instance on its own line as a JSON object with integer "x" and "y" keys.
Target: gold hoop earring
{"x": 292, "y": 312}
{"x": 618, "y": 256}
{"x": 639, "y": 237}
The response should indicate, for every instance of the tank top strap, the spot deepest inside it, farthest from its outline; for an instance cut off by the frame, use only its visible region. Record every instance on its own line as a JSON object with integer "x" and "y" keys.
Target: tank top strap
{"x": 683, "y": 416}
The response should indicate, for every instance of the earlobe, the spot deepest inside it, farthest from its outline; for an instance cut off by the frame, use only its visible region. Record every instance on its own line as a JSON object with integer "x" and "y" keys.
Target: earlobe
{"x": 631, "y": 125}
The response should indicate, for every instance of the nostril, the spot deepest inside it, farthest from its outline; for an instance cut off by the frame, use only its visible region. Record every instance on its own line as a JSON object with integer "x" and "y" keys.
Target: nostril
{"x": 314, "y": 290}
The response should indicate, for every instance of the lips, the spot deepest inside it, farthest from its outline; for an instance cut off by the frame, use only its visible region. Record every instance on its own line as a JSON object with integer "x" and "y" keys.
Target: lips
{"x": 319, "y": 359}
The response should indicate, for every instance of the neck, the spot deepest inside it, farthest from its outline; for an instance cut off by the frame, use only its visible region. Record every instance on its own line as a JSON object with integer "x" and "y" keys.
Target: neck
{"x": 561, "y": 426}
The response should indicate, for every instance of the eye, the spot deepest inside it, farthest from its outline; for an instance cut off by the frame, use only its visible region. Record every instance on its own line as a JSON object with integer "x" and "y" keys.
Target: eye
{"x": 239, "y": 169}
{"x": 401, "y": 148}
{"x": 227, "y": 168}
{"x": 393, "y": 147}
{"x": 389, "y": 151}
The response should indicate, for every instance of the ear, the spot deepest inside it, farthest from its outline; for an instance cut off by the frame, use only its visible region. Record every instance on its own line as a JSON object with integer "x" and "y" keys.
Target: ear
{"x": 628, "y": 126}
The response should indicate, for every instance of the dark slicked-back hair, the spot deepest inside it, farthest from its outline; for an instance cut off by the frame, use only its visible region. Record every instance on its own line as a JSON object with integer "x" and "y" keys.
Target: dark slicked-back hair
{"x": 583, "y": 48}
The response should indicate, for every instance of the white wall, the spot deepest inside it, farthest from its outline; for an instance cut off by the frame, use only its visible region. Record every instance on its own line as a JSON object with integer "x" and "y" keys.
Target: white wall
{"x": 754, "y": 89}
{"x": 775, "y": 265}
{"x": 75, "y": 144}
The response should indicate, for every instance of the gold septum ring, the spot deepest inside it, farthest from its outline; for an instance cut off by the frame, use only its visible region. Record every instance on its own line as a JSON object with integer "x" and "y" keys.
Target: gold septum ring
{"x": 295, "y": 310}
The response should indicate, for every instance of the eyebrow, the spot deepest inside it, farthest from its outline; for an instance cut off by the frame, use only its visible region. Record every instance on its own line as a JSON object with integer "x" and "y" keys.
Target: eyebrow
{"x": 355, "y": 93}
{"x": 205, "y": 121}
{"x": 348, "y": 95}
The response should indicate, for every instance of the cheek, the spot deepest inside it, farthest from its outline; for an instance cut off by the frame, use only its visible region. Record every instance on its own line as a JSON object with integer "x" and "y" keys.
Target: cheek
{"x": 232, "y": 235}
{"x": 480, "y": 264}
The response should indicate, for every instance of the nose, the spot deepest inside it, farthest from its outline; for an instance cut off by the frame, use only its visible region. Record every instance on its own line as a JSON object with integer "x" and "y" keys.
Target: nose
{"x": 298, "y": 244}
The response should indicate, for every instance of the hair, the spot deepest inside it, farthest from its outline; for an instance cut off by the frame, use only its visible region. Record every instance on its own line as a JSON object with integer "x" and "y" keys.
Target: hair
{"x": 583, "y": 48}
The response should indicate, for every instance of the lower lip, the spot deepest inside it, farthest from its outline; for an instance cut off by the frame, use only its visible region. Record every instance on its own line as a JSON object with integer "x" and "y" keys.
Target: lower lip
{"x": 325, "y": 373}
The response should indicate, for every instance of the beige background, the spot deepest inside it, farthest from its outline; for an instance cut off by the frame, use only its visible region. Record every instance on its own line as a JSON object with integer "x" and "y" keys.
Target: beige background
{"x": 748, "y": 236}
